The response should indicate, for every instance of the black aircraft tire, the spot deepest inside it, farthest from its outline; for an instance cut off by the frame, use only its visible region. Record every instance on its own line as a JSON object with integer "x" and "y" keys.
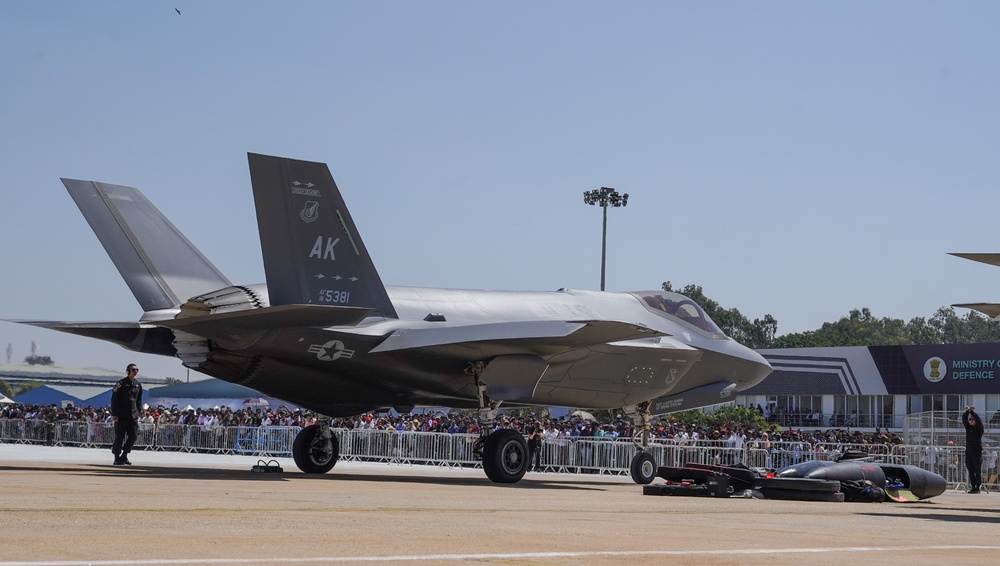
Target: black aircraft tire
{"x": 643, "y": 468}
{"x": 793, "y": 495}
{"x": 505, "y": 456}
{"x": 797, "y": 484}
{"x": 312, "y": 459}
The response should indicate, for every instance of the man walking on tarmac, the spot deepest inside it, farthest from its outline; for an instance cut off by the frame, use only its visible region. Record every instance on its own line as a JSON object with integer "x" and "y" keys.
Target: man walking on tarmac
{"x": 126, "y": 408}
{"x": 973, "y": 447}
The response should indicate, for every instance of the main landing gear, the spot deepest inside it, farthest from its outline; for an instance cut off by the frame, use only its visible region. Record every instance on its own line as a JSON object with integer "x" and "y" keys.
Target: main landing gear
{"x": 504, "y": 454}
{"x": 316, "y": 449}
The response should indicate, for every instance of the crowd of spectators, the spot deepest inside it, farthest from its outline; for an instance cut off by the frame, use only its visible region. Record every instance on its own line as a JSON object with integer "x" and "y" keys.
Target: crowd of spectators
{"x": 567, "y": 427}
{"x": 213, "y": 417}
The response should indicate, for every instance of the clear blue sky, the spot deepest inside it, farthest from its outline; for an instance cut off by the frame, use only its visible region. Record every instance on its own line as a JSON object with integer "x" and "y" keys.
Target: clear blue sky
{"x": 794, "y": 158}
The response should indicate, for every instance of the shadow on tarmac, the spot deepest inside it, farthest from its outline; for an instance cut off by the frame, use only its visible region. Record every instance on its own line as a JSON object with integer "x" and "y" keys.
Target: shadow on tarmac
{"x": 958, "y": 516}
{"x": 215, "y": 474}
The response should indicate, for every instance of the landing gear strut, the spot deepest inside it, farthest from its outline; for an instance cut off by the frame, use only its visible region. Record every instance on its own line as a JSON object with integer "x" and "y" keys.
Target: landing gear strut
{"x": 504, "y": 452}
{"x": 316, "y": 449}
{"x": 643, "y": 465}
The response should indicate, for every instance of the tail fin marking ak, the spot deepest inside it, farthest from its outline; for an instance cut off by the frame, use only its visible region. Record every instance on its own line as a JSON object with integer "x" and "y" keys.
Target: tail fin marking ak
{"x": 312, "y": 251}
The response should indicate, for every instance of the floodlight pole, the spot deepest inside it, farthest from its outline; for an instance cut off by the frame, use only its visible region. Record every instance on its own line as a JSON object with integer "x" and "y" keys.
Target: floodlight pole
{"x": 605, "y": 197}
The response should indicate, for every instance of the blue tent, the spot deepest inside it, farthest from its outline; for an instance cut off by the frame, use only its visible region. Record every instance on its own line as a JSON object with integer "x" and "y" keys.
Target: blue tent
{"x": 60, "y": 395}
{"x": 209, "y": 393}
{"x": 102, "y": 399}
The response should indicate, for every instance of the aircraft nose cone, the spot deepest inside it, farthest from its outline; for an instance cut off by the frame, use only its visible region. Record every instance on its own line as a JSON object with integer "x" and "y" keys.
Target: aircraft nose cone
{"x": 764, "y": 368}
{"x": 756, "y": 368}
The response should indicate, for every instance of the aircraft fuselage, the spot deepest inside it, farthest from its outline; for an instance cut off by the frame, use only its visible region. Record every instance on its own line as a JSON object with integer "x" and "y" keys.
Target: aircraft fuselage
{"x": 445, "y": 338}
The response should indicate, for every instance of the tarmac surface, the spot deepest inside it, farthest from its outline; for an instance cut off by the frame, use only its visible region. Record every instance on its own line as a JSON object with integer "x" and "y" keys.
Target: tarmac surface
{"x": 69, "y": 506}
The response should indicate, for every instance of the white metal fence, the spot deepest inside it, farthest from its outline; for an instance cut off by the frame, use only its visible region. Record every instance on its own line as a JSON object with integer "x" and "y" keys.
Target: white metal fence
{"x": 566, "y": 455}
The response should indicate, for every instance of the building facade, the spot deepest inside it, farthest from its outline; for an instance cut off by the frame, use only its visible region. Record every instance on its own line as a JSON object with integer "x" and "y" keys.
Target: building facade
{"x": 876, "y": 386}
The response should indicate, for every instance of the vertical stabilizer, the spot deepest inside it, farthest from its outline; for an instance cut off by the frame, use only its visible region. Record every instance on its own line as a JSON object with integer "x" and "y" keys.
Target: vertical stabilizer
{"x": 312, "y": 251}
{"x": 161, "y": 267}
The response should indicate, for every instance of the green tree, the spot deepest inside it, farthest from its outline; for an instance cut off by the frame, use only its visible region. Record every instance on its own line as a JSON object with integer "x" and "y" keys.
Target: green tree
{"x": 5, "y": 389}
{"x": 28, "y": 386}
{"x": 735, "y": 415}
{"x": 922, "y": 332}
{"x": 969, "y": 329}
{"x": 728, "y": 415}
{"x": 172, "y": 381}
{"x": 858, "y": 328}
{"x": 862, "y": 328}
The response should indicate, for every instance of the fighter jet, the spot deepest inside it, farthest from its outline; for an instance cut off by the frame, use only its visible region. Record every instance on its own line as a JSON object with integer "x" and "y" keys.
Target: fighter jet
{"x": 324, "y": 333}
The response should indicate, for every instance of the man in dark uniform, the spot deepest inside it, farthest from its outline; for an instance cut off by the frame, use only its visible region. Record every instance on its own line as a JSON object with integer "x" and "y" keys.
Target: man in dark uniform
{"x": 535, "y": 447}
{"x": 126, "y": 407}
{"x": 973, "y": 447}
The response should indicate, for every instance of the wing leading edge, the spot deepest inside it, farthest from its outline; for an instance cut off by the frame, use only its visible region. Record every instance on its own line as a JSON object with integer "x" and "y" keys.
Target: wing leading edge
{"x": 543, "y": 333}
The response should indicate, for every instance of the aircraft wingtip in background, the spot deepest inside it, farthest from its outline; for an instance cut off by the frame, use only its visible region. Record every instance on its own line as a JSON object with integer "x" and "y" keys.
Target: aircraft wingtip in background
{"x": 991, "y": 310}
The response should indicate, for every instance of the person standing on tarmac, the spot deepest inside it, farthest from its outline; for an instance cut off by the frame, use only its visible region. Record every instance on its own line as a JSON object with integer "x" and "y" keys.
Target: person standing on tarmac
{"x": 126, "y": 408}
{"x": 973, "y": 447}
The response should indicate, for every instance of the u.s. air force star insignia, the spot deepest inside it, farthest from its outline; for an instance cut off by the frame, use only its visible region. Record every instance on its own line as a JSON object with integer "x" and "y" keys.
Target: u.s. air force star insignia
{"x": 332, "y": 350}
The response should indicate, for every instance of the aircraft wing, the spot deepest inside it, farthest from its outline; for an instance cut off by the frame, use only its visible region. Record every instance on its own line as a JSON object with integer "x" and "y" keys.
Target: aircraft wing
{"x": 990, "y": 259}
{"x": 991, "y": 310}
{"x": 559, "y": 334}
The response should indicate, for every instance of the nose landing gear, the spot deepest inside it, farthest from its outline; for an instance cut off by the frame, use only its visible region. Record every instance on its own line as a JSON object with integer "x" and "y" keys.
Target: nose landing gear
{"x": 643, "y": 465}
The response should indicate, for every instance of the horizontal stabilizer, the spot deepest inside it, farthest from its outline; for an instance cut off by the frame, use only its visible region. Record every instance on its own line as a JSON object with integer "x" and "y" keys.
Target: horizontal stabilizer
{"x": 991, "y": 259}
{"x": 550, "y": 333}
{"x": 991, "y": 310}
{"x": 161, "y": 267}
{"x": 704, "y": 396}
{"x": 282, "y": 316}
{"x": 135, "y": 336}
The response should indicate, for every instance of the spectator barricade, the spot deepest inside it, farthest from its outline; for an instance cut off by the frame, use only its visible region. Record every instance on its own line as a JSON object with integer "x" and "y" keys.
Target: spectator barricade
{"x": 371, "y": 445}
{"x": 174, "y": 437}
{"x": 560, "y": 454}
{"x": 13, "y": 431}
{"x": 85, "y": 434}
{"x": 556, "y": 455}
{"x": 94, "y": 435}
{"x": 24, "y": 431}
{"x": 271, "y": 441}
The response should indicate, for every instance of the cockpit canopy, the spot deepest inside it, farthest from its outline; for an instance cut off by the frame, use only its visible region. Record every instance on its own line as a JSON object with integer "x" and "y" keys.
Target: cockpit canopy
{"x": 679, "y": 307}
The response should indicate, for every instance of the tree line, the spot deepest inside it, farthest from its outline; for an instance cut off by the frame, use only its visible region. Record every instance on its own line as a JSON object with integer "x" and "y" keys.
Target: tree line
{"x": 859, "y": 328}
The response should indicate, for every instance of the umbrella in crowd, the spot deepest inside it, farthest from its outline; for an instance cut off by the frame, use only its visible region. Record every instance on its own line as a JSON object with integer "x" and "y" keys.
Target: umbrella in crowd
{"x": 583, "y": 415}
{"x": 256, "y": 402}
